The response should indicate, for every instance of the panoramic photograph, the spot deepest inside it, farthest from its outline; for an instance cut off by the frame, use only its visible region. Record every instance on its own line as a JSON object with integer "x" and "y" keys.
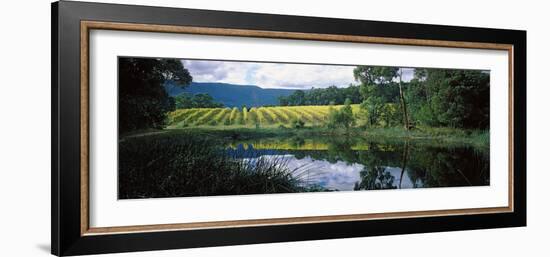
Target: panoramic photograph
{"x": 193, "y": 127}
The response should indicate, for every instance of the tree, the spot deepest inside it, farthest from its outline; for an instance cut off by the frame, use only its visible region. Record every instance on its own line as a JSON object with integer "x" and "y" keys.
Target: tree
{"x": 375, "y": 80}
{"x": 346, "y": 113}
{"x": 205, "y": 101}
{"x": 299, "y": 97}
{"x": 143, "y": 101}
{"x": 371, "y": 110}
{"x": 186, "y": 100}
{"x": 375, "y": 75}
{"x": 183, "y": 101}
{"x": 341, "y": 118}
{"x": 333, "y": 118}
{"x": 418, "y": 97}
{"x": 283, "y": 100}
{"x": 455, "y": 98}
{"x": 322, "y": 96}
{"x": 406, "y": 121}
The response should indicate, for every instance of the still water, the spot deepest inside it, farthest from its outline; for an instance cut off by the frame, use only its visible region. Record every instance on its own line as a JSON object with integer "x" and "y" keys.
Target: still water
{"x": 354, "y": 164}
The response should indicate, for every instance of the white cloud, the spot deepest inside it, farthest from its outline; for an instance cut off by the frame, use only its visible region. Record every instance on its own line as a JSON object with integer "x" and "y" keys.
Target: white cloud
{"x": 275, "y": 75}
{"x": 270, "y": 75}
{"x": 303, "y": 76}
{"x": 218, "y": 71}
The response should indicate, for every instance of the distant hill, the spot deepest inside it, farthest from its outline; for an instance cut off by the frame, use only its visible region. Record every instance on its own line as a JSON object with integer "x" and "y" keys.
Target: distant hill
{"x": 232, "y": 95}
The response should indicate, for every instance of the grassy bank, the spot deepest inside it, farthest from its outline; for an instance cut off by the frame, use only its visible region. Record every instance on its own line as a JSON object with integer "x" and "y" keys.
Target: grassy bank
{"x": 185, "y": 164}
{"x": 425, "y": 135}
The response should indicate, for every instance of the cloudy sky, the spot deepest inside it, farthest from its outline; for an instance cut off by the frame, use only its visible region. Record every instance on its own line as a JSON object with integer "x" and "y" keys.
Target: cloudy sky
{"x": 273, "y": 75}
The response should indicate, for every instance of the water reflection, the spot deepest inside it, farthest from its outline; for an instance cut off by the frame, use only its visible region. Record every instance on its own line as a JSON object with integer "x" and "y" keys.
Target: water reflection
{"x": 354, "y": 164}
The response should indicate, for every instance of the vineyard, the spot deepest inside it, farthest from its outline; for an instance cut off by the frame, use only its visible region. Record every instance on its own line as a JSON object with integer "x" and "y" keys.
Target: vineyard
{"x": 315, "y": 115}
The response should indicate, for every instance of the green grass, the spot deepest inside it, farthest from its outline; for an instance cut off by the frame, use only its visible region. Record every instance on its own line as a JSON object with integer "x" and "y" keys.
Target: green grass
{"x": 420, "y": 135}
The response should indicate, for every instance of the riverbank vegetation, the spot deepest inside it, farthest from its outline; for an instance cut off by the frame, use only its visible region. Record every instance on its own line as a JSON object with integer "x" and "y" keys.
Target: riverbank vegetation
{"x": 187, "y": 164}
{"x": 424, "y": 135}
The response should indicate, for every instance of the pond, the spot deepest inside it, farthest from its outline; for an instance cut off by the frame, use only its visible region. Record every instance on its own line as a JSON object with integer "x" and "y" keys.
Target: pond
{"x": 345, "y": 164}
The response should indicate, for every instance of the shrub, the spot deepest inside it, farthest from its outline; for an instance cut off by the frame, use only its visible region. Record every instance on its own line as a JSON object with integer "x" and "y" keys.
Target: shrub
{"x": 298, "y": 123}
{"x": 341, "y": 118}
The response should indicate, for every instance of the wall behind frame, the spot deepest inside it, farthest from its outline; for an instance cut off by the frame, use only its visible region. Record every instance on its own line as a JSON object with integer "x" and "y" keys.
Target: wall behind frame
{"x": 25, "y": 130}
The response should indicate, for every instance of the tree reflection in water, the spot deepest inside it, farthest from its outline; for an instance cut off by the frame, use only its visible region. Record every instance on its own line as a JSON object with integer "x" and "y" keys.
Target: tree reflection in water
{"x": 383, "y": 165}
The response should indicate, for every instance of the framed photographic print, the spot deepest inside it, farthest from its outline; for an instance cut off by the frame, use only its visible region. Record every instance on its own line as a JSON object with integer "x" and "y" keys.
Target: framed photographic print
{"x": 178, "y": 128}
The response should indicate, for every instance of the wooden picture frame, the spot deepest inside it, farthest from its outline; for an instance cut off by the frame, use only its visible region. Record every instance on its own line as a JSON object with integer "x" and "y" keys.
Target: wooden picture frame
{"x": 71, "y": 25}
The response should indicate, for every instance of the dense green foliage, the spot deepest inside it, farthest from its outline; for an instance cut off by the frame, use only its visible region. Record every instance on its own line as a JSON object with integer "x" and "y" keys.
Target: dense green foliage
{"x": 186, "y": 100}
{"x": 379, "y": 86}
{"x": 143, "y": 101}
{"x": 434, "y": 97}
{"x": 342, "y": 117}
{"x": 322, "y": 96}
{"x": 453, "y": 98}
{"x": 377, "y": 82}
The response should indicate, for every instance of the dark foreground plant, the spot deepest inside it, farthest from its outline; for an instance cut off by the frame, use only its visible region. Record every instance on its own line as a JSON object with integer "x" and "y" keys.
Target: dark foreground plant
{"x": 190, "y": 165}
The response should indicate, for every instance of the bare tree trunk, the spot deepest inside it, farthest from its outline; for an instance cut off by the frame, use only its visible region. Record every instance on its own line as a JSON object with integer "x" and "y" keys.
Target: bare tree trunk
{"x": 402, "y": 100}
